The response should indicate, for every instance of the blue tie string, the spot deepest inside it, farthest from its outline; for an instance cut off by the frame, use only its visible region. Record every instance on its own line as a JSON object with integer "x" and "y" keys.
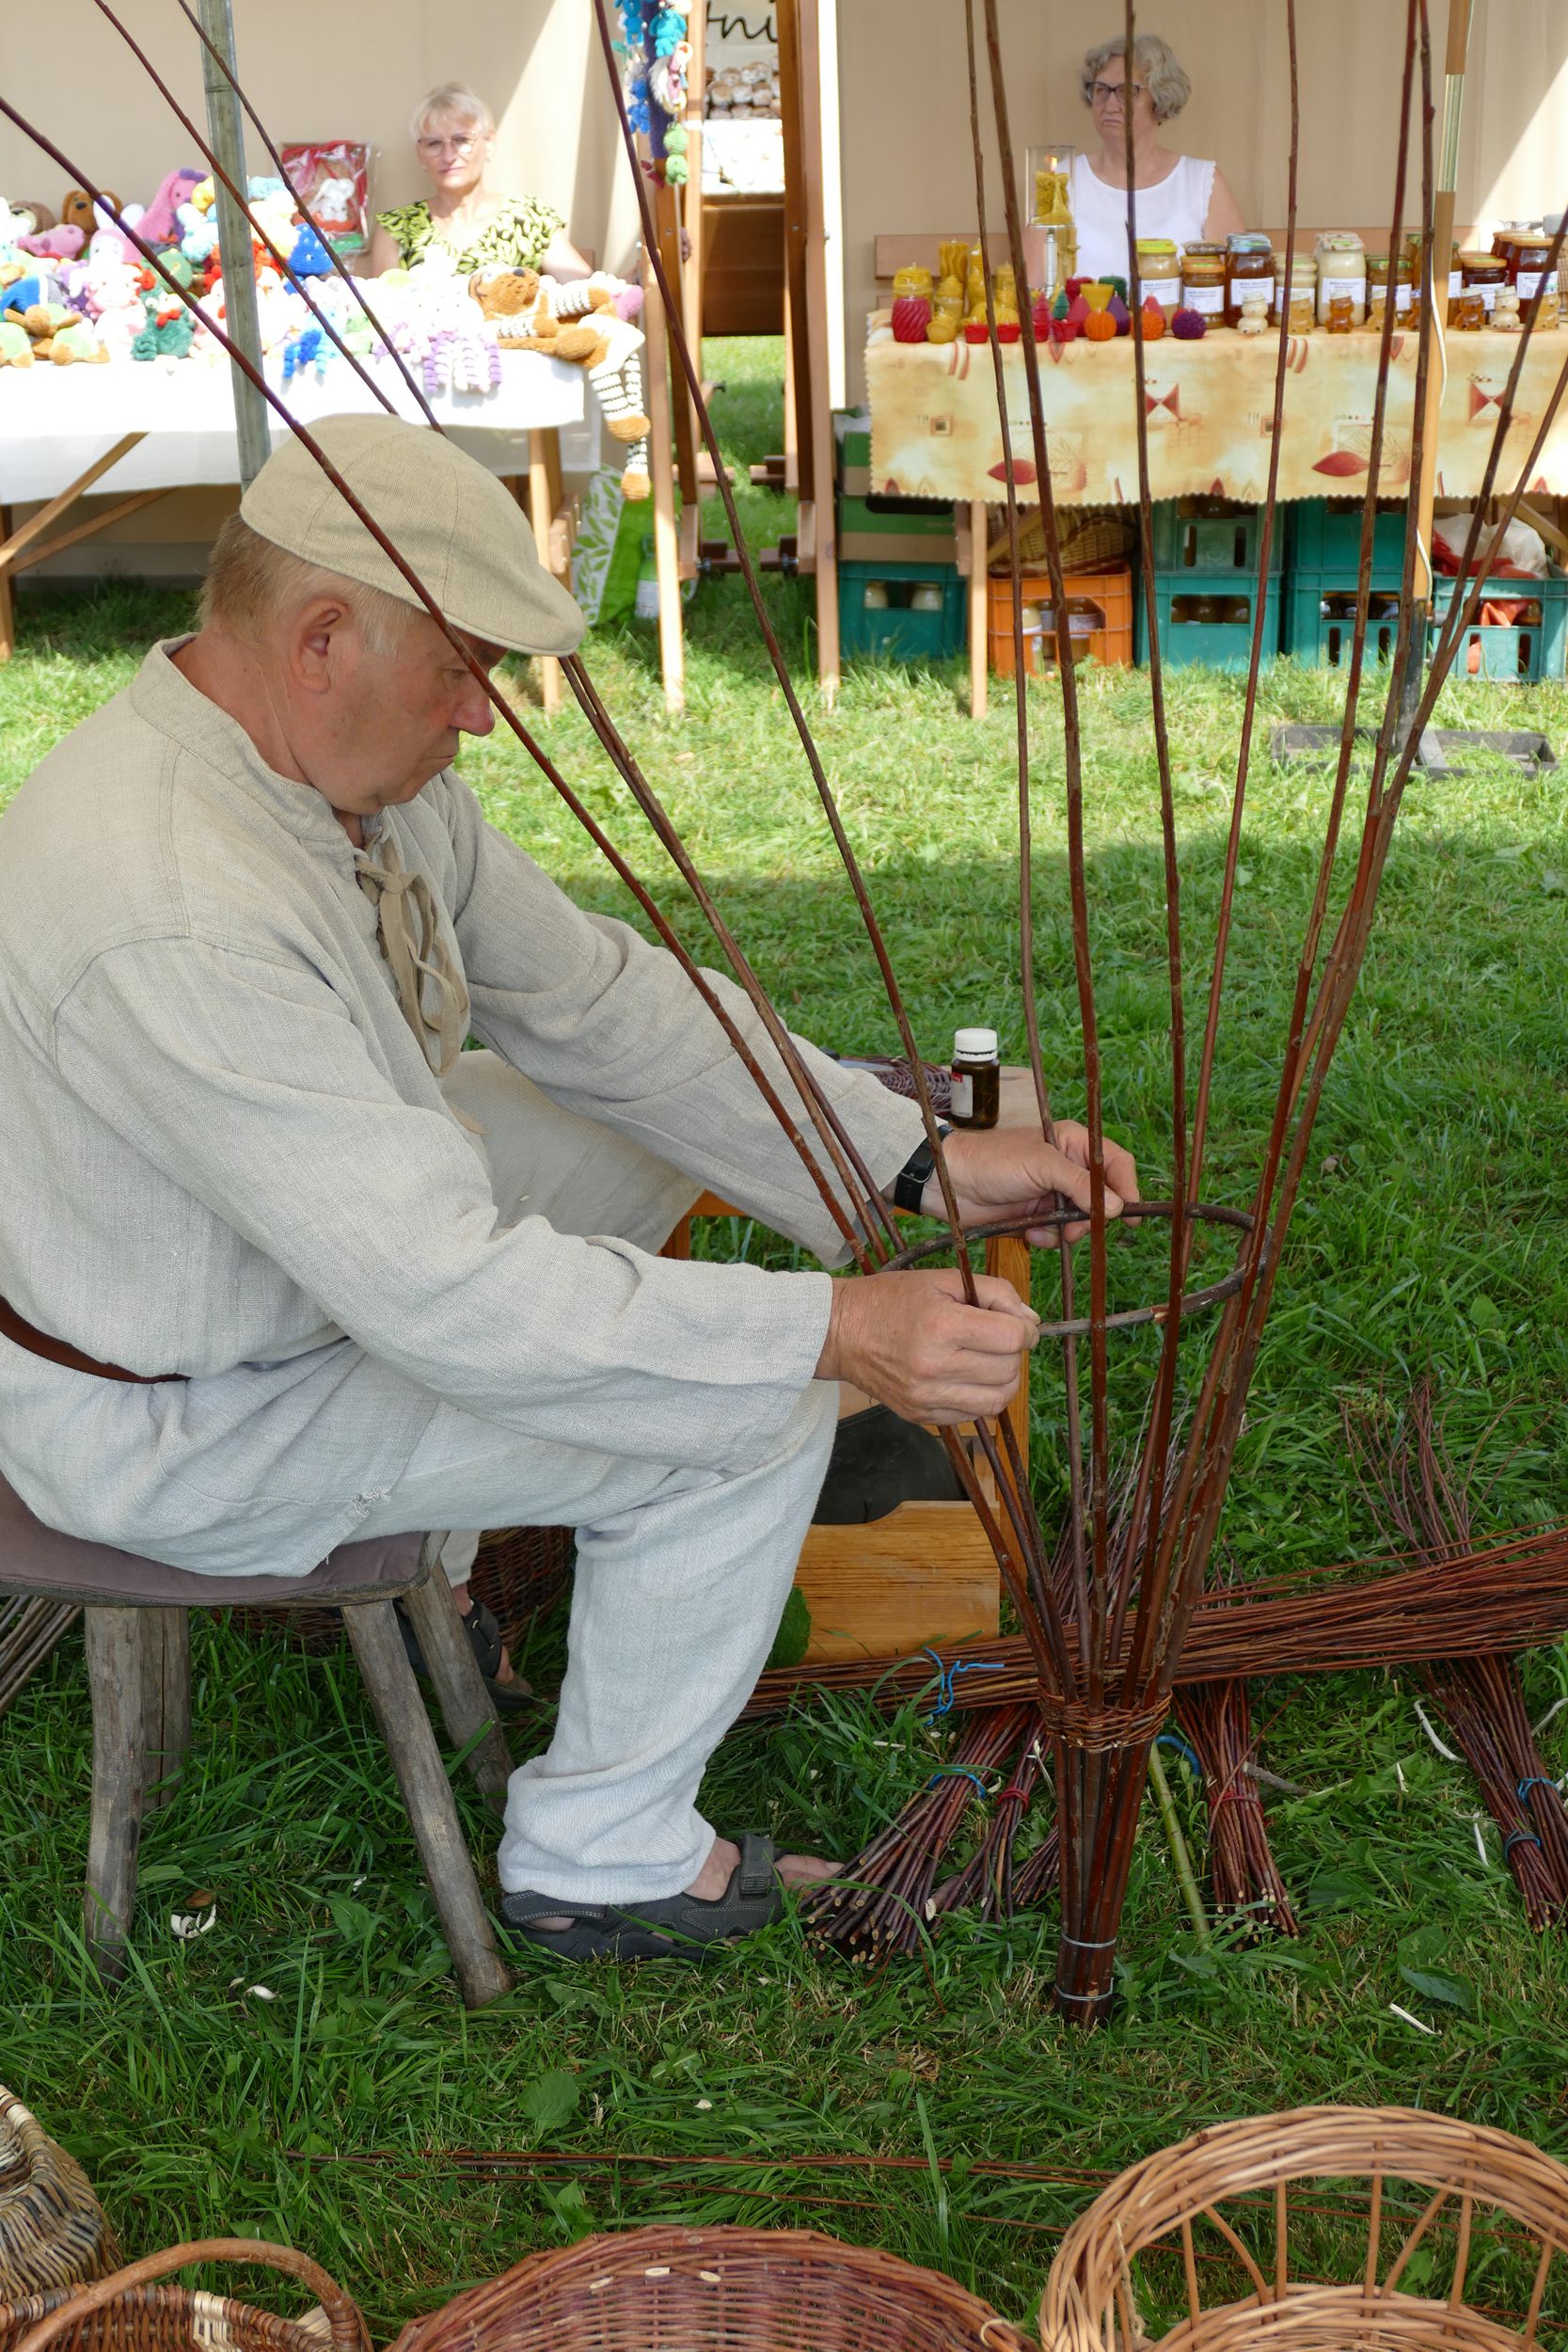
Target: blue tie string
{"x": 947, "y": 1676}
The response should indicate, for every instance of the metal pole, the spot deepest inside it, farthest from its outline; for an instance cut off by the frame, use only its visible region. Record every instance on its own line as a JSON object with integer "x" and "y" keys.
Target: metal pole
{"x": 227, "y": 132}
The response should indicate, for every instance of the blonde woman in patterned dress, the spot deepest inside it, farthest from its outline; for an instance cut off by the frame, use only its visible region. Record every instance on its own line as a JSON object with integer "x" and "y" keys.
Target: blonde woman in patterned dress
{"x": 454, "y": 134}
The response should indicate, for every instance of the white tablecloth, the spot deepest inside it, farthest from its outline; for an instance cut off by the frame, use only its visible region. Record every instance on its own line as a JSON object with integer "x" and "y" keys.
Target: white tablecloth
{"x": 54, "y": 421}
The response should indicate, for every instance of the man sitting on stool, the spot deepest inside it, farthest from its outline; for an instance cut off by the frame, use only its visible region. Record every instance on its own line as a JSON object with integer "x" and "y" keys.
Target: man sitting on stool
{"x": 284, "y": 1268}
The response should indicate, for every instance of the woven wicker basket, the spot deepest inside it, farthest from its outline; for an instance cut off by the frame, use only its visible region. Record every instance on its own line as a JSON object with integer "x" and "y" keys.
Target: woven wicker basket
{"x": 737, "y": 2290}
{"x": 127, "y": 2312}
{"x": 54, "y": 2235}
{"x": 1465, "y": 2175}
{"x": 1090, "y": 539}
{"x": 518, "y": 1573}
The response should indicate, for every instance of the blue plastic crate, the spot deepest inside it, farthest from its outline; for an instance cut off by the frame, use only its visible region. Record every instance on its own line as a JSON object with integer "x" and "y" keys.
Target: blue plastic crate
{"x": 1534, "y": 648}
{"x": 1320, "y": 618}
{"x": 1324, "y": 536}
{"x": 1191, "y": 633}
{"x": 894, "y": 630}
{"x": 1212, "y": 536}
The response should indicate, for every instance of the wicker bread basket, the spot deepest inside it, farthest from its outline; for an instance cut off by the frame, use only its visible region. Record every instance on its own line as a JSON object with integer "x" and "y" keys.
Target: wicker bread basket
{"x": 129, "y": 2312}
{"x": 1403, "y": 2259}
{"x": 719, "y": 2290}
{"x": 52, "y": 2231}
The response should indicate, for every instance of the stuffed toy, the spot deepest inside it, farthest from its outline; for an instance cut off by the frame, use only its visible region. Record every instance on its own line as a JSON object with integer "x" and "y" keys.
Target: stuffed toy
{"x": 586, "y": 323}
{"x": 199, "y": 233}
{"x": 55, "y": 333}
{"x": 310, "y": 257}
{"x": 57, "y": 244}
{"x": 159, "y": 224}
{"x": 31, "y": 220}
{"x": 16, "y": 345}
{"x": 78, "y": 210}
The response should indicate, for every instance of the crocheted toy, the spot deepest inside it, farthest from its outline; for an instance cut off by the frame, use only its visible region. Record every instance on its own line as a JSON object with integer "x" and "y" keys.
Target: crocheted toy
{"x": 58, "y": 244}
{"x": 310, "y": 257}
{"x": 308, "y": 349}
{"x": 159, "y": 224}
{"x": 16, "y": 345}
{"x": 199, "y": 233}
{"x": 581, "y": 323}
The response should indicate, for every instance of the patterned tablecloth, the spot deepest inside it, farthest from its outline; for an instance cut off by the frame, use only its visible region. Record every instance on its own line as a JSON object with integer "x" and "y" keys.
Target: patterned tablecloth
{"x": 935, "y": 432}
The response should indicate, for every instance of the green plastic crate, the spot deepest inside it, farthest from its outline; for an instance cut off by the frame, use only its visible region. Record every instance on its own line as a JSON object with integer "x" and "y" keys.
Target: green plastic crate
{"x": 896, "y": 632}
{"x": 1324, "y": 536}
{"x": 914, "y": 519}
{"x": 1214, "y": 537}
{"x": 1220, "y": 644}
{"x": 1516, "y": 653}
{"x": 1320, "y": 618}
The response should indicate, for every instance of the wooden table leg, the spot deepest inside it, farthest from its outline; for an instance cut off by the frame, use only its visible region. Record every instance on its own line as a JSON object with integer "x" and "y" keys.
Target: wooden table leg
{"x": 117, "y": 1681}
{"x": 543, "y": 469}
{"x": 979, "y": 528}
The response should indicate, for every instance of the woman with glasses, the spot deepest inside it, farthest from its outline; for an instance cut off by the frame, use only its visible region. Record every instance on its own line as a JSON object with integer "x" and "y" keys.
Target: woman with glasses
{"x": 454, "y": 135}
{"x": 1178, "y": 196}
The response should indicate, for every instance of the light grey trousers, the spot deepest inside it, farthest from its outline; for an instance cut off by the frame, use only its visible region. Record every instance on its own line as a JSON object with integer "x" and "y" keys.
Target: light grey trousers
{"x": 682, "y": 1575}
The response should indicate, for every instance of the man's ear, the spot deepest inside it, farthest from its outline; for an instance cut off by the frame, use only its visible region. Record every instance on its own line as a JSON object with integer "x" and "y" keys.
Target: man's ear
{"x": 313, "y": 647}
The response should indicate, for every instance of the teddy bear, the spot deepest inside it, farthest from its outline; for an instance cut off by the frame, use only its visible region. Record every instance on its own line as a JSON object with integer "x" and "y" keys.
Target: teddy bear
{"x": 584, "y": 323}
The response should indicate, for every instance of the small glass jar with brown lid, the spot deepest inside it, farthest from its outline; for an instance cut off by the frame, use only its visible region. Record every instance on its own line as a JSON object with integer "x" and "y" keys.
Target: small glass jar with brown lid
{"x": 1248, "y": 270}
{"x": 1203, "y": 279}
{"x": 1482, "y": 274}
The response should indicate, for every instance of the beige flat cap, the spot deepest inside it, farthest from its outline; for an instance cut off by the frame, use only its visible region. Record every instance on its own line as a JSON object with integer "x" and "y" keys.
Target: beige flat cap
{"x": 447, "y": 515}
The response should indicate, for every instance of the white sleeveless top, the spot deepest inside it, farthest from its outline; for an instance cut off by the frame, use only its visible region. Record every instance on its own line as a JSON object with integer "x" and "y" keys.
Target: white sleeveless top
{"x": 1177, "y": 207}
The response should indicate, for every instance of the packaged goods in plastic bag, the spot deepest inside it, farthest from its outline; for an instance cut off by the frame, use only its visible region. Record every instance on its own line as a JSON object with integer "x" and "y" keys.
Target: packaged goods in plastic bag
{"x": 1516, "y": 553}
{"x": 332, "y": 178}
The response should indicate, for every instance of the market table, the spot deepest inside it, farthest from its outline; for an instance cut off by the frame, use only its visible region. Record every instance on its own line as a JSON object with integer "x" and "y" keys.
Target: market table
{"x": 146, "y": 428}
{"x": 935, "y": 432}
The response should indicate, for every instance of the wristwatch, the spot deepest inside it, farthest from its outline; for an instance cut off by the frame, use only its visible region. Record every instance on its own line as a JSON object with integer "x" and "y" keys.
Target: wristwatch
{"x": 908, "y": 1185}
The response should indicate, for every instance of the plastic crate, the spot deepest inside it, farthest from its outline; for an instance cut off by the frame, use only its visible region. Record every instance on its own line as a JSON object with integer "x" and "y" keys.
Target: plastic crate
{"x": 1534, "y": 647}
{"x": 1212, "y": 536}
{"x": 893, "y": 631}
{"x": 915, "y": 518}
{"x": 1320, "y": 618}
{"x": 1100, "y": 610}
{"x": 1323, "y": 535}
{"x": 1221, "y": 644}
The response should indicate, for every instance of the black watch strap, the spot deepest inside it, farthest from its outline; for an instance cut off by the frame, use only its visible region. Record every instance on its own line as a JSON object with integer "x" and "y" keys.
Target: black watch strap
{"x": 908, "y": 1185}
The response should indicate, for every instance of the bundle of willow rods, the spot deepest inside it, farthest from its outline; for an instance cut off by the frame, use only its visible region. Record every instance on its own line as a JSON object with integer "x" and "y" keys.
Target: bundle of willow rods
{"x": 883, "y": 1904}
{"x": 1242, "y": 1874}
{"x": 1418, "y": 1491}
{"x": 1100, "y": 1668}
{"x": 1511, "y": 1594}
{"x": 990, "y": 1881}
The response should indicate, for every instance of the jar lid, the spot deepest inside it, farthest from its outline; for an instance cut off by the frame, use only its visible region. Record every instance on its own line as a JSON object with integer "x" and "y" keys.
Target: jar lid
{"x": 1203, "y": 250}
{"x": 1341, "y": 241}
{"x": 975, "y": 1041}
{"x": 1156, "y": 245}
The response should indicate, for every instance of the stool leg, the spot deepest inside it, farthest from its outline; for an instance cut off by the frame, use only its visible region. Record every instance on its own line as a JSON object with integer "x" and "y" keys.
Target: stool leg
{"x": 427, "y": 1795}
{"x": 166, "y": 1666}
{"x": 466, "y": 1703}
{"x": 116, "y": 1650}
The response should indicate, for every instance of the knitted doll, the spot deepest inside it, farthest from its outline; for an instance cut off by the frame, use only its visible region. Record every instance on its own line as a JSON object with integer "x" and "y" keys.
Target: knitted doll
{"x": 588, "y": 323}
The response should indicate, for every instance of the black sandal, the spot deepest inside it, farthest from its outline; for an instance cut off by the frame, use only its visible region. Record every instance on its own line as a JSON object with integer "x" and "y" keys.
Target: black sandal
{"x": 673, "y": 1927}
{"x": 484, "y": 1637}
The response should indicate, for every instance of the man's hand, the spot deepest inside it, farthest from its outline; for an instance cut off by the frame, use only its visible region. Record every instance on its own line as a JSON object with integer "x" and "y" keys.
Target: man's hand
{"x": 1006, "y": 1175}
{"x": 911, "y": 1341}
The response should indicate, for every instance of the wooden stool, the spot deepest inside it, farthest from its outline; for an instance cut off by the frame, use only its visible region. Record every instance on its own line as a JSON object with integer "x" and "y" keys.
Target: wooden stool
{"x": 138, "y": 1628}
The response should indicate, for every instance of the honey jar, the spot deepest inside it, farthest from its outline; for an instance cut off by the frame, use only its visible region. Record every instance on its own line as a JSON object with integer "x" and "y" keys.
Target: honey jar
{"x": 1160, "y": 274}
{"x": 1296, "y": 301}
{"x": 1482, "y": 274}
{"x": 1203, "y": 279}
{"x": 1248, "y": 270}
{"x": 1341, "y": 276}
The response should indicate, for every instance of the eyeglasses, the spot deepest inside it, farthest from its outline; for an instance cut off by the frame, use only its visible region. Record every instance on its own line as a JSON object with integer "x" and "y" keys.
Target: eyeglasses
{"x": 1100, "y": 93}
{"x": 462, "y": 148}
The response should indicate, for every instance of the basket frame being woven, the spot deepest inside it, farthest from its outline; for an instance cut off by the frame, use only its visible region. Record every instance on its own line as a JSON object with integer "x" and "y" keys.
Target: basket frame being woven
{"x": 1090, "y": 2301}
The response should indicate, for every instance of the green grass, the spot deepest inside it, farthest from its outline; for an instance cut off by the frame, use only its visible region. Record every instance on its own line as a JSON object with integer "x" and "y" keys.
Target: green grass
{"x": 1429, "y": 1238}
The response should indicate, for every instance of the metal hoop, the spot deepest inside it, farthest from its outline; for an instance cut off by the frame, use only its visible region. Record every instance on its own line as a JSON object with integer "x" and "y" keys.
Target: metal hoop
{"x": 1129, "y": 1318}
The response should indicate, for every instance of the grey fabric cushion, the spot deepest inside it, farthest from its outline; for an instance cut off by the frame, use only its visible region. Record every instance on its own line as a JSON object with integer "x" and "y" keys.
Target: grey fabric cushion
{"x": 36, "y": 1559}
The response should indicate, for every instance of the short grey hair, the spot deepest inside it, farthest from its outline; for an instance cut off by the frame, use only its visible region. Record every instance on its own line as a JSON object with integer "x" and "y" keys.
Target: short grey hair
{"x": 456, "y": 103}
{"x": 1166, "y": 78}
{"x": 250, "y": 580}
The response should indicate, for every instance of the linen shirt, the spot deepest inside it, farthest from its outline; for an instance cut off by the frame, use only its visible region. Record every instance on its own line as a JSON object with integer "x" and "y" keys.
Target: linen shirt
{"x": 227, "y": 1155}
